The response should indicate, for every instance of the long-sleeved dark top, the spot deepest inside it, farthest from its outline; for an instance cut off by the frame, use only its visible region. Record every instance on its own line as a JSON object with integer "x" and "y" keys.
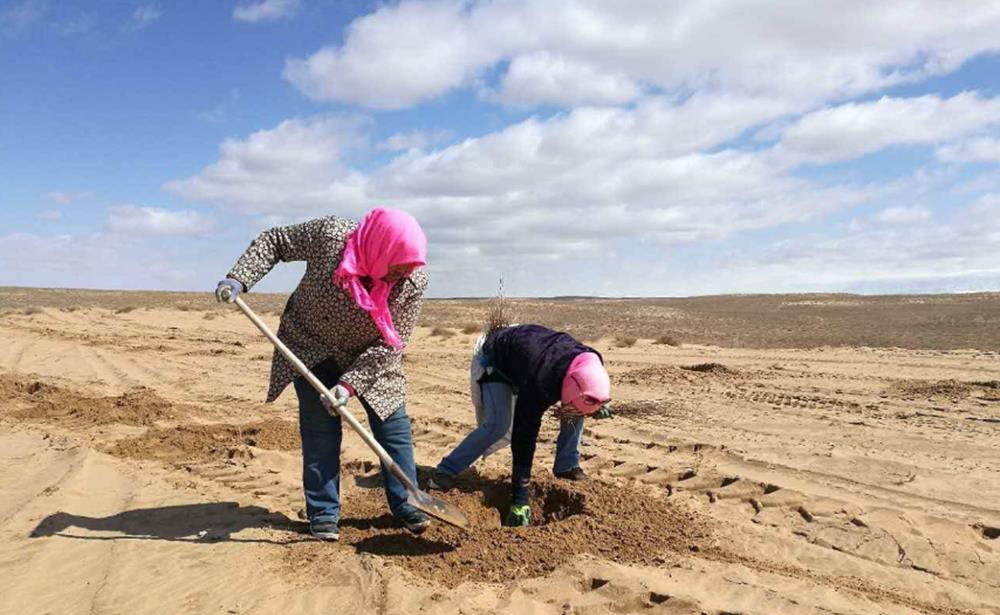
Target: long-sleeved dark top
{"x": 534, "y": 359}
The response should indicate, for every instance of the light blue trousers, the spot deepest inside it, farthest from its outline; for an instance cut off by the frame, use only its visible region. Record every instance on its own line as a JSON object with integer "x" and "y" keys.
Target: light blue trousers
{"x": 497, "y": 398}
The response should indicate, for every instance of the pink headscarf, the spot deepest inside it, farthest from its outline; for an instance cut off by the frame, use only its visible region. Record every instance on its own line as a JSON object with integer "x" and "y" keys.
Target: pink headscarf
{"x": 586, "y": 384}
{"x": 385, "y": 237}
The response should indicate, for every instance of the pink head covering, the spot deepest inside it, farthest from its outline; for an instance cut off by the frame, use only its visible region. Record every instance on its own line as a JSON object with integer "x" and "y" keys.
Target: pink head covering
{"x": 586, "y": 384}
{"x": 385, "y": 237}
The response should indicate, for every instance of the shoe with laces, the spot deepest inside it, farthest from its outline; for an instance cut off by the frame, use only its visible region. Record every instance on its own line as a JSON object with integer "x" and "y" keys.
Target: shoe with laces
{"x": 325, "y": 530}
{"x": 440, "y": 482}
{"x": 576, "y": 473}
{"x": 416, "y": 521}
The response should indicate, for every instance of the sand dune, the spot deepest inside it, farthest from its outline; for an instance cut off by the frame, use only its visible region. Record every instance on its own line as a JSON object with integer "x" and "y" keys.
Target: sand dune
{"x": 139, "y": 472}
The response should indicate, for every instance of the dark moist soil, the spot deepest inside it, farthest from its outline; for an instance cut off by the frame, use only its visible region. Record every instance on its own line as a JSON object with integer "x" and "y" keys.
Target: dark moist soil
{"x": 941, "y": 389}
{"x": 640, "y": 408}
{"x": 569, "y": 519}
{"x": 32, "y": 400}
{"x": 656, "y": 374}
{"x": 717, "y": 369}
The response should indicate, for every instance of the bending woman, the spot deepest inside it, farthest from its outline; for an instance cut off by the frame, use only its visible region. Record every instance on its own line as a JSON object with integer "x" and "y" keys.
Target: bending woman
{"x": 348, "y": 320}
{"x": 537, "y": 367}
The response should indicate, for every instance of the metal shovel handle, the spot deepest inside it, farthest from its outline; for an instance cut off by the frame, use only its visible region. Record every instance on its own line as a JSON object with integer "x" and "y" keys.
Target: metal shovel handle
{"x": 321, "y": 388}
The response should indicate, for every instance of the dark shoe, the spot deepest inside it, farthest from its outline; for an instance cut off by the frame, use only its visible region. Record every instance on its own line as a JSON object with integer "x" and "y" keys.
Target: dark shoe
{"x": 441, "y": 481}
{"x": 416, "y": 521}
{"x": 576, "y": 473}
{"x": 325, "y": 530}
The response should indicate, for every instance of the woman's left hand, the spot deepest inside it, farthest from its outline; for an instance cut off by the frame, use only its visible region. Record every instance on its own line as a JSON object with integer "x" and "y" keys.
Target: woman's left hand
{"x": 341, "y": 395}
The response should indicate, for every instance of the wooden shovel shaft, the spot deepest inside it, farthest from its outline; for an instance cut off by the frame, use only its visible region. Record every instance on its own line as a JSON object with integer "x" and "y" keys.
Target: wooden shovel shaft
{"x": 321, "y": 388}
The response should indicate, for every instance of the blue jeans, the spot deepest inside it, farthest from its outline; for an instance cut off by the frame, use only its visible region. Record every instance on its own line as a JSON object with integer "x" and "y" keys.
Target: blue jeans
{"x": 321, "y": 437}
{"x": 497, "y": 398}
{"x": 568, "y": 445}
{"x": 497, "y": 402}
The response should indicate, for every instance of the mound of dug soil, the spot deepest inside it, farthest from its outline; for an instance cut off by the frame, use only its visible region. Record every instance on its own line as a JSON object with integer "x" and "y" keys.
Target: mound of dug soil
{"x": 208, "y": 442}
{"x": 951, "y": 389}
{"x": 643, "y": 407}
{"x": 659, "y": 374}
{"x": 709, "y": 368}
{"x": 610, "y": 522}
{"x": 34, "y": 400}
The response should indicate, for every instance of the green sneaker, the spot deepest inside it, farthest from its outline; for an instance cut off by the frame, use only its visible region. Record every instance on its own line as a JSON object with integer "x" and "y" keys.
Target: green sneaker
{"x": 519, "y": 515}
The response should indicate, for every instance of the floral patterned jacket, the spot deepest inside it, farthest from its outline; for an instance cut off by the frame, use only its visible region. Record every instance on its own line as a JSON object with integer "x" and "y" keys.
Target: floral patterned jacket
{"x": 322, "y": 321}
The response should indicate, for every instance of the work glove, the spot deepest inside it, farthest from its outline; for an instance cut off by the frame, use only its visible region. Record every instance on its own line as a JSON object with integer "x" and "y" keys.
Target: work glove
{"x": 604, "y": 413}
{"x": 341, "y": 395}
{"x": 235, "y": 288}
{"x": 519, "y": 515}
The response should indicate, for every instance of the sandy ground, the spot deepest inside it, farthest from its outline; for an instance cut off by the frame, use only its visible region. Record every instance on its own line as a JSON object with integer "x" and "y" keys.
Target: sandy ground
{"x": 139, "y": 473}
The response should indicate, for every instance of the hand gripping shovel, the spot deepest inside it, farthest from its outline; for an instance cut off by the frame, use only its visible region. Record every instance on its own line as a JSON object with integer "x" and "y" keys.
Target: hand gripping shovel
{"x": 435, "y": 507}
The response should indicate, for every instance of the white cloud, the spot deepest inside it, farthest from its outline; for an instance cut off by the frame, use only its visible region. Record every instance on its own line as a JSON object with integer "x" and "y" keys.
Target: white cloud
{"x": 297, "y": 166}
{"x": 399, "y": 55}
{"x": 49, "y": 215}
{"x": 104, "y": 260}
{"x": 80, "y": 25}
{"x": 129, "y": 219}
{"x": 65, "y": 198}
{"x": 902, "y": 215}
{"x": 983, "y": 149}
{"x": 18, "y": 17}
{"x": 542, "y": 77}
{"x": 406, "y": 53}
{"x": 144, "y": 16}
{"x": 266, "y": 10}
{"x": 570, "y": 185}
{"x": 963, "y": 249}
{"x": 414, "y": 139}
{"x": 668, "y": 138}
{"x": 854, "y": 129}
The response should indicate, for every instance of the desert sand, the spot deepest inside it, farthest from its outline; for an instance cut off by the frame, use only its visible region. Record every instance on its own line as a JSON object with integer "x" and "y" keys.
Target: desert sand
{"x": 817, "y": 454}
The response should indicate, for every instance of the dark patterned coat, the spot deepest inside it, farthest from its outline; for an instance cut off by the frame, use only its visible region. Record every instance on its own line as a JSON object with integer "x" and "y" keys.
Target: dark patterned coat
{"x": 322, "y": 321}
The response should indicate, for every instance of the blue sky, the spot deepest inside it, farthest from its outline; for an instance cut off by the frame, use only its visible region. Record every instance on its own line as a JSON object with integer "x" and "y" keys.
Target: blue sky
{"x": 573, "y": 149}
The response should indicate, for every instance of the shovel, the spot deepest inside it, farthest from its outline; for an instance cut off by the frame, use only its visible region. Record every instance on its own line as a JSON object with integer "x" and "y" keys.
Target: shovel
{"x": 435, "y": 507}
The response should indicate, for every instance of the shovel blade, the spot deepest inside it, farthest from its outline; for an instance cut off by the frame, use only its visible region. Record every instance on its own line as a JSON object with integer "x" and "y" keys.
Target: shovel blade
{"x": 439, "y": 509}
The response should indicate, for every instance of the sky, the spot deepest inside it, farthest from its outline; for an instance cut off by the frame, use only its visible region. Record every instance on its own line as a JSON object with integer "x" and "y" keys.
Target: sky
{"x": 574, "y": 147}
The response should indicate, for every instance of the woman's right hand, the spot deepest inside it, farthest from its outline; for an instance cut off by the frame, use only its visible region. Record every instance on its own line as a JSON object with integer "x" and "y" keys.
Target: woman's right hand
{"x": 234, "y": 287}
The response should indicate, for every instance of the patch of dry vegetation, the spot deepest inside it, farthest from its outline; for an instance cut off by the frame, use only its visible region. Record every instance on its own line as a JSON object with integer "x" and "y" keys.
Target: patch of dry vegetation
{"x": 668, "y": 339}
{"x": 442, "y": 332}
{"x": 625, "y": 341}
{"x": 500, "y": 313}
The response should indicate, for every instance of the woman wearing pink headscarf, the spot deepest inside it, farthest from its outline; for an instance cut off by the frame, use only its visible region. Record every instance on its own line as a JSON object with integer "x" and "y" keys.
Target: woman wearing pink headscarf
{"x": 517, "y": 373}
{"x": 348, "y": 320}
